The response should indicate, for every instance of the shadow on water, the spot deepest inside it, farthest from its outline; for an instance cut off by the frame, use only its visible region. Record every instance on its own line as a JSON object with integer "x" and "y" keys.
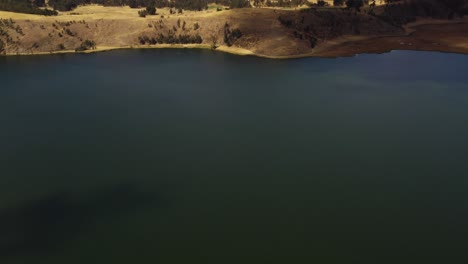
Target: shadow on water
{"x": 39, "y": 226}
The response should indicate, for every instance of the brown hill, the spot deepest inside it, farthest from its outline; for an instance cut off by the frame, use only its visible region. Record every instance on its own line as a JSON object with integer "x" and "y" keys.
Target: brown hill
{"x": 263, "y": 32}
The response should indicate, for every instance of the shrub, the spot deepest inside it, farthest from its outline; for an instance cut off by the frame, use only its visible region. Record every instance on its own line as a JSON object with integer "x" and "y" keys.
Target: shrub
{"x": 151, "y": 10}
{"x": 86, "y": 45}
{"x": 231, "y": 36}
{"x": 236, "y": 33}
{"x": 80, "y": 49}
{"x": 322, "y": 3}
{"x": 285, "y": 21}
{"x": 198, "y": 39}
{"x": 338, "y": 2}
{"x": 2, "y": 47}
{"x": 89, "y": 44}
{"x": 69, "y": 32}
{"x": 354, "y": 4}
{"x": 214, "y": 40}
{"x": 143, "y": 13}
{"x": 143, "y": 39}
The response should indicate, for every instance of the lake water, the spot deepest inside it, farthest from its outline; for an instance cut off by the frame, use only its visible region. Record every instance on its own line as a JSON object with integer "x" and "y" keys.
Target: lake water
{"x": 191, "y": 156}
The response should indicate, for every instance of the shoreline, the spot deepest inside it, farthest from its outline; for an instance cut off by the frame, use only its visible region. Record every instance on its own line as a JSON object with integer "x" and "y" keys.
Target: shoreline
{"x": 234, "y": 51}
{"x": 225, "y": 49}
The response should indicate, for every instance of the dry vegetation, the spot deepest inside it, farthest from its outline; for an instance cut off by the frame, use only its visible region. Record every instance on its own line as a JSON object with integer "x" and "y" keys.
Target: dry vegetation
{"x": 423, "y": 35}
{"x": 260, "y": 31}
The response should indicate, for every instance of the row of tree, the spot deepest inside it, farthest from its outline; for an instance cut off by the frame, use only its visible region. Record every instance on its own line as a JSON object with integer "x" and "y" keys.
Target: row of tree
{"x": 412, "y": 7}
{"x": 400, "y": 13}
{"x": 149, "y": 11}
{"x": 284, "y": 3}
{"x": 234, "y": 3}
{"x": 171, "y": 38}
{"x": 26, "y": 6}
{"x": 32, "y": 6}
{"x": 67, "y": 5}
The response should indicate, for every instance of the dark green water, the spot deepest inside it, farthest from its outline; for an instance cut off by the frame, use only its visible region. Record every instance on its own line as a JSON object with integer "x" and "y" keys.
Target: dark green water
{"x": 173, "y": 156}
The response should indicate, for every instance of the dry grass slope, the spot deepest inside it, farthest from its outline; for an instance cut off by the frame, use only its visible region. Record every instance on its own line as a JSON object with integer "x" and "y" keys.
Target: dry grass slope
{"x": 337, "y": 33}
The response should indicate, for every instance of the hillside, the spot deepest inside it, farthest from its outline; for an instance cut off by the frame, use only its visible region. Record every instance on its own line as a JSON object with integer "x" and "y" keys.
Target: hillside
{"x": 259, "y": 31}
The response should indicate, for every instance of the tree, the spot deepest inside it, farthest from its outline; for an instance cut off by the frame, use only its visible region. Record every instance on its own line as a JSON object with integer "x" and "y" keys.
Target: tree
{"x": 26, "y": 6}
{"x": 151, "y": 10}
{"x": 132, "y": 3}
{"x": 227, "y": 35}
{"x": 456, "y": 6}
{"x": 198, "y": 39}
{"x": 86, "y": 45}
{"x": 322, "y": 3}
{"x": 231, "y": 35}
{"x": 214, "y": 40}
{"x": 239, "y": 3}
{"x": 39, "y": 3}
{"x": 338, "y": 2}
{"x": 354, "y": 4}
{"x": 143, "y": 13}
{"x": 2, "y": 47}
{"x": 90, "y": 44}
{"x": 64, "y": 5}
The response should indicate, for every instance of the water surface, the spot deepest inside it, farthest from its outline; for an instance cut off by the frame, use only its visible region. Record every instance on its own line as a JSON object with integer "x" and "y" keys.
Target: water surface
{"x": 190, "y": 156}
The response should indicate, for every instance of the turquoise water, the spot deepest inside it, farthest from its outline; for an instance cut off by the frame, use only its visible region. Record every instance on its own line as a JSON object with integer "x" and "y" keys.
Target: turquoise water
{"x": 190, "y": 156}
